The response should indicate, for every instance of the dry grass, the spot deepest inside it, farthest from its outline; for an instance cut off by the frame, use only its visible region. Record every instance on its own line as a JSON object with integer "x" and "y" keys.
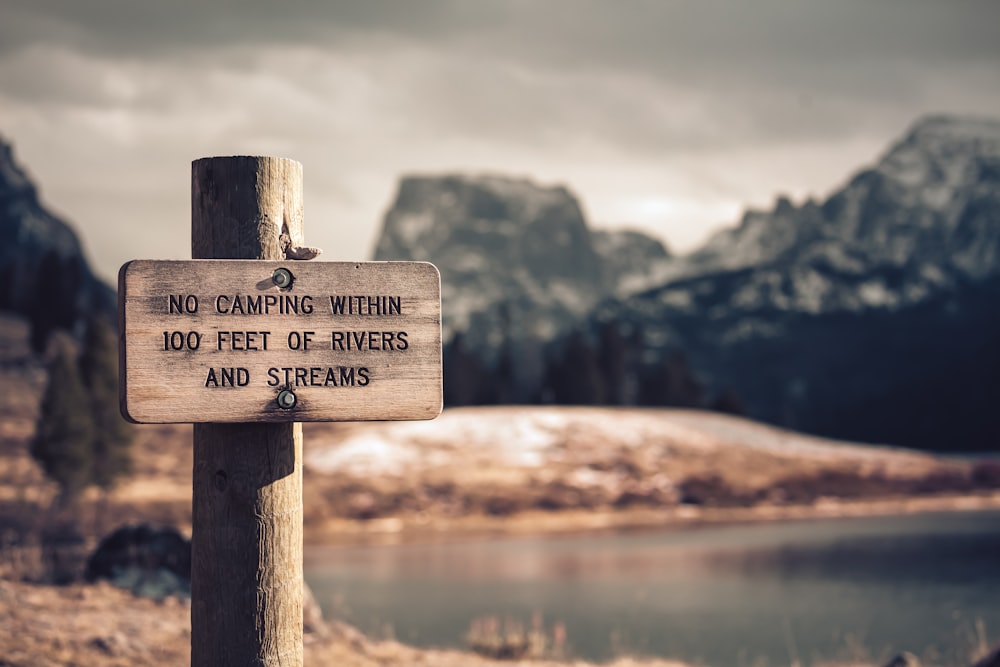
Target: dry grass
{"x": 681, "y": 470}
{"x": 101, "y": 626}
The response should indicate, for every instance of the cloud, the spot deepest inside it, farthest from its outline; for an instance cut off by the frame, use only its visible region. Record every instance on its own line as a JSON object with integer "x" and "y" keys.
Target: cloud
{"x": 667, "y": 115}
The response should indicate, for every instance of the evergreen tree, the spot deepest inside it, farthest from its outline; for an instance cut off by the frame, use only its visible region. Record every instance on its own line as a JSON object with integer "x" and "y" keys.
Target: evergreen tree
{"x": 670, "y": 382}
{"x": 503, "y": 385}
{"x": 728, "y": 401}
{"x": 574, "y": 376}
{"x": 614, "y": 362}
{"x": 466, "y": 380}
{"x": 6, "y": 287}
{"x": 54, "y": 304}
{"x": 112, "y": 440}
{"x": 64, "y": 436}
{"x": 503, "y": 377}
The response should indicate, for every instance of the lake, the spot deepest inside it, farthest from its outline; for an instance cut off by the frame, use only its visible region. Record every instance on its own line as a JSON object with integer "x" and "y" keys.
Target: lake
{"x": 718, "y": 595}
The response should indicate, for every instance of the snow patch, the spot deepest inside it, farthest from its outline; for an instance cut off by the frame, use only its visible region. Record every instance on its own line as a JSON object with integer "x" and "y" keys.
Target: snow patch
{"x": 571, "y": 297}
{"x": 750, "y": 328}
{"x": 811, "y": 290}
{"x": 364, "y": 454}
{"x": 875, "y": 294}
{"x": 680, "y": 299}
{"x": 530, "y": 438}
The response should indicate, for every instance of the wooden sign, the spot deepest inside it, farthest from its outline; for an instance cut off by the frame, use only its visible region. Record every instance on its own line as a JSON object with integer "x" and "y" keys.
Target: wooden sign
{"x": 264, "y": 341}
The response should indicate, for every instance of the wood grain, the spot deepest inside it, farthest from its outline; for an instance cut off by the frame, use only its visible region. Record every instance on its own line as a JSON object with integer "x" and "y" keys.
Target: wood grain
{"x": 216, "y": 341}
{"x": 246, "y": 551}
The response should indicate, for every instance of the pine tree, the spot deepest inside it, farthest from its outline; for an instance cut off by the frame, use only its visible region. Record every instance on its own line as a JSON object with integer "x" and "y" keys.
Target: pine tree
{"x": 466, "y": 380}
{"x": 503, "y": 376}
{"x": 574, "y": 376}
{"x": 54, "y": 305}
{"x": 112, "y": 438}
{"x": 670, "y": 382}
{"x": 728, "y": 401}
{"x": 64, "y": 436}
{"x": 503, "y": 387}
{"x": 613, "y": 360}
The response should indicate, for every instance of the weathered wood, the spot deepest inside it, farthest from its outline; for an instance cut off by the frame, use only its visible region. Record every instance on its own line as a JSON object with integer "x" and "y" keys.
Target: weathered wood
{"x": 352, "y": 341}
{"x": 246, "y": 569}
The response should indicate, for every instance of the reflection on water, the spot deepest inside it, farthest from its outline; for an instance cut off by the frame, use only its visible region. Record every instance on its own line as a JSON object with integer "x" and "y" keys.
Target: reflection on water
{"x": 722, "y": 595}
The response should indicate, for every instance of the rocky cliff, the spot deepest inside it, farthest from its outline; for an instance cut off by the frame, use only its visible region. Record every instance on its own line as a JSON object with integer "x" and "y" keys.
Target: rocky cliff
{"x": 517, "y": 259}
{"x": 44, "y": 274}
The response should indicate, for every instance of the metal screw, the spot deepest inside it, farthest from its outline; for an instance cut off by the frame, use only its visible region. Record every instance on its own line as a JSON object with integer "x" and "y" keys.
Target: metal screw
{"x": 282, "y": 278}
{"x": 286, "y": 399}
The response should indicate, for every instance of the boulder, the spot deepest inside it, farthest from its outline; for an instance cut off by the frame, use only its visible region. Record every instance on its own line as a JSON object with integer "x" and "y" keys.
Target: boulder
{"x": 991, "y": 659}
{"x": 904, "y": 659}
{"x": 153, "y": 562}
{"x": 156, "y": 563}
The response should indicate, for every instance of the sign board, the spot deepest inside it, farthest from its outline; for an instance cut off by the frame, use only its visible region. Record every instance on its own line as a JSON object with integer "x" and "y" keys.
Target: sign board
{"x": 263, "y": 341}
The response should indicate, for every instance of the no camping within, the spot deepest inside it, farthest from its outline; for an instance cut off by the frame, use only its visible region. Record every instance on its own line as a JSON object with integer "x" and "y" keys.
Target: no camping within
{"x": 219, "y": 341}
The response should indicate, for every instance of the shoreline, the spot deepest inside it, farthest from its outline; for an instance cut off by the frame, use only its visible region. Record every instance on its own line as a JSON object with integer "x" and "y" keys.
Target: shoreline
{"x": 101, "y": 625}
{"x": 401, "y": 530}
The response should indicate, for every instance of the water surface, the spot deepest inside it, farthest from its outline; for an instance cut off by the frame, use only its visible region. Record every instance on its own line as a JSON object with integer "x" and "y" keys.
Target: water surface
{"x": 718, "y": 595}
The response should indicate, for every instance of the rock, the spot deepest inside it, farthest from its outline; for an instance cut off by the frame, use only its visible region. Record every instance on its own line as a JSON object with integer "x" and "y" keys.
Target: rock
{"x": 152, "y": 562}
{"x": 633, "y": 261}
{"x": 904, "y": 659}
{"x": 156, "y": 563}
{"x": 991, "y": 659}
{"x": 110, "y": 645}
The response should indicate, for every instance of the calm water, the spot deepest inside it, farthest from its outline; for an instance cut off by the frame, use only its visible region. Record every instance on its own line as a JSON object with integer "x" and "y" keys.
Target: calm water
{"x": 721, "y": 595}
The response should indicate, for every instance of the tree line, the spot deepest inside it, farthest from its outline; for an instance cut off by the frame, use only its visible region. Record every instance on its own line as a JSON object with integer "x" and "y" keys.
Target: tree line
{"x": 613, "y": 365}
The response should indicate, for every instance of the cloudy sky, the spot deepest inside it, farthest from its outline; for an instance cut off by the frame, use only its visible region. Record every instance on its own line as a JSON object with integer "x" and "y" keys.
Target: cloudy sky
{"x": 664, "y": 116}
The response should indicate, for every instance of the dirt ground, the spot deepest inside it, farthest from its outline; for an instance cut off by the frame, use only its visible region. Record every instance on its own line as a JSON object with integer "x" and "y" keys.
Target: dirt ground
{"x": 102, "y": 626}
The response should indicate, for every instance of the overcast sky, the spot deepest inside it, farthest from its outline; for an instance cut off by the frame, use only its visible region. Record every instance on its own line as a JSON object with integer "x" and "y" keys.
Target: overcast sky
{"x": 669, "y": 117}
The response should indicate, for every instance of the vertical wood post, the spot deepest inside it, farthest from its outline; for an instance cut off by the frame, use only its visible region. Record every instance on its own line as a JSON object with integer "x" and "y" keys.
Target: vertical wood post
{"x": 246, "y": 569}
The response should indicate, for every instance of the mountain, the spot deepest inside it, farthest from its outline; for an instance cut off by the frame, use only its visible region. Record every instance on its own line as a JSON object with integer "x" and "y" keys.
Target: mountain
{"x": 44, "y": 274}
{"x": 632, "y": 260}
{"x": 928, "y": 208}
{"x": 871, "y": 315}
{"x": 517, "y": 260}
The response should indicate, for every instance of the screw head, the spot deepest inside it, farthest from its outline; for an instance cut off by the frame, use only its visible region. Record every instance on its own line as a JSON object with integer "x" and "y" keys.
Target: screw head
{"x": 287, "y": 399}
{"x": 282, "y": 278}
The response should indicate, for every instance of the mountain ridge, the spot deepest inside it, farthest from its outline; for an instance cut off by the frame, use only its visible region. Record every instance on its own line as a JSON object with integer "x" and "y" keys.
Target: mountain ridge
{"x": 904, "y": 246}
{"x": 44, "y": 273}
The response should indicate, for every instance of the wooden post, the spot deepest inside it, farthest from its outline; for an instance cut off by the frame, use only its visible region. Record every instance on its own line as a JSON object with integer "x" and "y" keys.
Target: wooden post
{"x": 246, "y": 561}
